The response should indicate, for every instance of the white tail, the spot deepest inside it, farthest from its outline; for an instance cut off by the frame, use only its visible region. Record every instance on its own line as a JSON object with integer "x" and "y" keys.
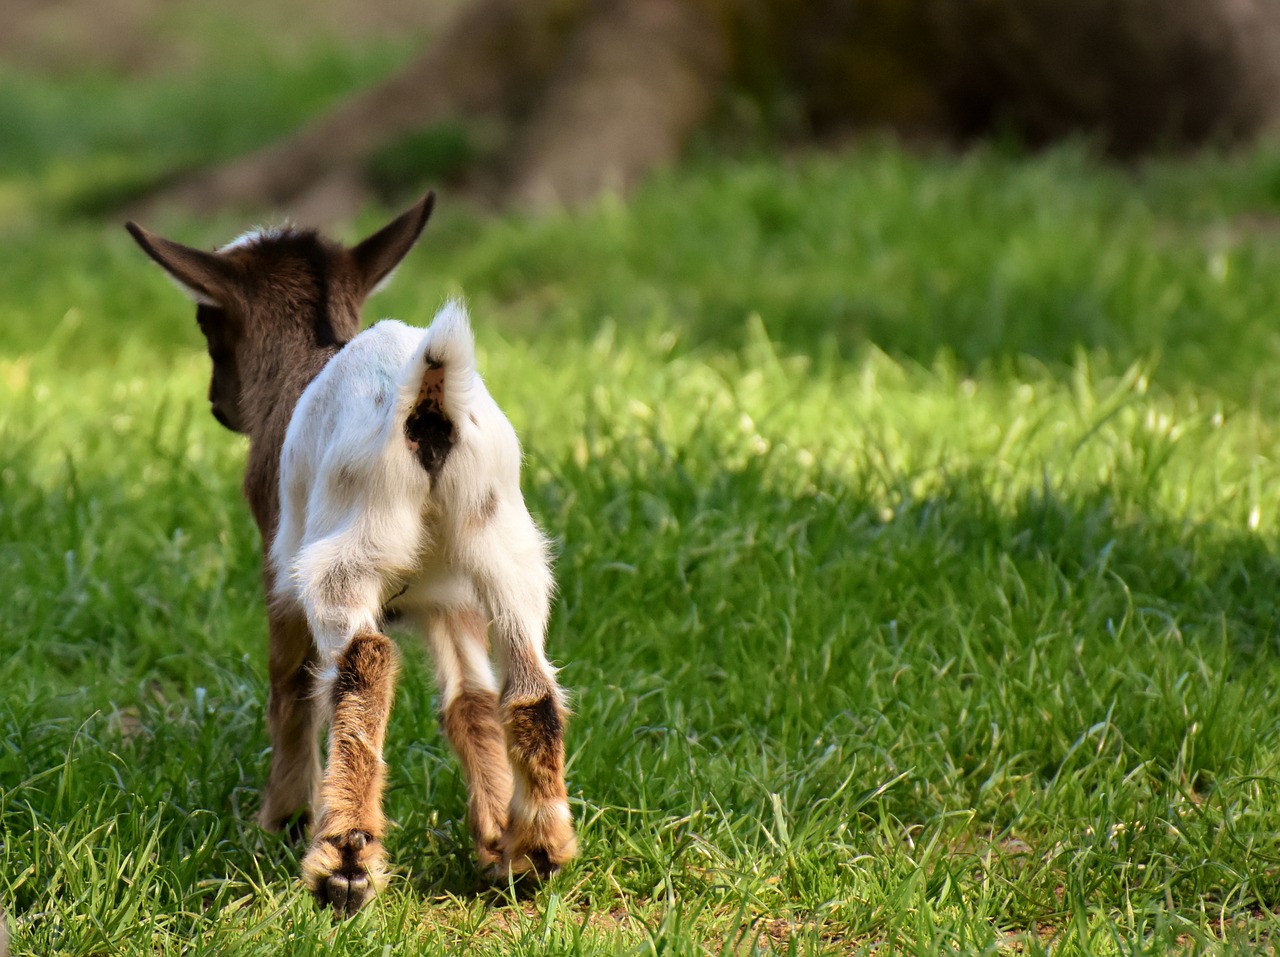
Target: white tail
{"x": 450, "y": 347}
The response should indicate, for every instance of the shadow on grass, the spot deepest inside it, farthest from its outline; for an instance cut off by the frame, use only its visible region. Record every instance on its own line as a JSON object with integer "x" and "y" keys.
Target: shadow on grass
{"x": 724, "y": 621}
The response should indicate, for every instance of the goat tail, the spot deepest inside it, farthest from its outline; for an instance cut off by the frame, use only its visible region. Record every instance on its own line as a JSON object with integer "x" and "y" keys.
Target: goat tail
{"x": 438, "y": 386}
{"x": 442, "y": 374}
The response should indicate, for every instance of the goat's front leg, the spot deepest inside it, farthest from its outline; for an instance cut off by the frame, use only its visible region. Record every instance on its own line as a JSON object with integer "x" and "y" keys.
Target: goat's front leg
{"x": 346, "y": 864}
{"x": 291, "y": 722}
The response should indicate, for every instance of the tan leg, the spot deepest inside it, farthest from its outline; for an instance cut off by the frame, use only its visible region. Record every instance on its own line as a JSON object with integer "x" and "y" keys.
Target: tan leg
{"x": 345, "y": 864}
{"x": 539, "y": 835}
{"x": 291, "y": 724}
{"x": 469, "y": 715}
{"x": 512, "y": 576}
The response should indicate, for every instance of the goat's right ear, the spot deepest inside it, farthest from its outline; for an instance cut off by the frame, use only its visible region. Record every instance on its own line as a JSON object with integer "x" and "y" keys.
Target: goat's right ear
{"x": 206, "y": 277}
{"x": 377, "y": 257}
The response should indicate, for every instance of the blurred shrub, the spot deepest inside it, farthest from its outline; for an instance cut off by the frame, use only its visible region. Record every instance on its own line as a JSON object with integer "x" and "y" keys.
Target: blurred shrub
{"x": 442, "y": 152}
{"x": 1135, "y": 74}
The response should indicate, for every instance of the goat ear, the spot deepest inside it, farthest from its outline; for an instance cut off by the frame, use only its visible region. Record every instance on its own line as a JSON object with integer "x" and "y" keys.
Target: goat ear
{"x": 377, "y": 257}
{"x": 206, "y": 277}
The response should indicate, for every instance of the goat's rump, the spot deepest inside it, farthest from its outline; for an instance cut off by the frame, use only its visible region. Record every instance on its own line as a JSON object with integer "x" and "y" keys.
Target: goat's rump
{"x": 377, "y": 433}
{"x": 383, "y": 416}
{"x": 393, "y": 386}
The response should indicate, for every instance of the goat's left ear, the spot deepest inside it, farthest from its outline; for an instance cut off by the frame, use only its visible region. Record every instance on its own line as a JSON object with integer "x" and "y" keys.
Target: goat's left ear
{"x": 206, "y": 277}
{"x": 377, "y": 257}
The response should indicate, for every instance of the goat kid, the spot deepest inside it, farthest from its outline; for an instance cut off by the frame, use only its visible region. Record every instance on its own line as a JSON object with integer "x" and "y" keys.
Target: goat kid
{"x": 386, "y": 483}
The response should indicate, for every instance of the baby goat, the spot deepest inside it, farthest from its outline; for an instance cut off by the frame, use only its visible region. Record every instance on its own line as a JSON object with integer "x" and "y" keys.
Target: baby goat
{"x": 386, "y": 483}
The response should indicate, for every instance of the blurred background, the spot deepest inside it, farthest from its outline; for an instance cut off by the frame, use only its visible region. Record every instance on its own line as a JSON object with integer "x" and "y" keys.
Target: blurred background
{"x": 317, "y": 108}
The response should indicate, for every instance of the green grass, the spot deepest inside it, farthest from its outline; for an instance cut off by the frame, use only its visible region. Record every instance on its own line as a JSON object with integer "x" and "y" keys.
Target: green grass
{"x": 916, "y": 520}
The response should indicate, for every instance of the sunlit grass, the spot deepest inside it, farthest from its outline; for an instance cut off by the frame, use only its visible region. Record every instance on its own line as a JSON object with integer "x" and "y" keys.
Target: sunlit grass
{"x": 860, "y": 652}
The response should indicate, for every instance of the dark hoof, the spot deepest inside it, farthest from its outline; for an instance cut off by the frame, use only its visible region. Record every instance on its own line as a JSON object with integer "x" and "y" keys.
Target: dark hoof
{"x": 538, "y": 851}
{"x": 345, "y": 892}
{"x": 540, "y": 864}
{"x": 530, "y": 867}
{"x": 344, "y": 871}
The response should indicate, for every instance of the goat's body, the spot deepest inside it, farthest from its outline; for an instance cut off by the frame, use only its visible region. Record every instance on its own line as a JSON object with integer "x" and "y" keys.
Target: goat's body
{"x": 373, "y": 525}
{"x": 384, "y": 478}
{"x": 364, "y": 527}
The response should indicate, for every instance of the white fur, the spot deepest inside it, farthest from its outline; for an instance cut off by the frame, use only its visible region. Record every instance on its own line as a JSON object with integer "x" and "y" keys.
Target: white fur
{"x": 362, "y": 523}
{"x": 255, "y": 235}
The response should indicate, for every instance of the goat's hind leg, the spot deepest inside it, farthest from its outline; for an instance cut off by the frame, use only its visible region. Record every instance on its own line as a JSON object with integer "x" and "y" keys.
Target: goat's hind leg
{"x": 345, "y": 864}
{"x": 539, "y": 834}
{"x": 517, "y": 585}
{"x": 470, "y": 717}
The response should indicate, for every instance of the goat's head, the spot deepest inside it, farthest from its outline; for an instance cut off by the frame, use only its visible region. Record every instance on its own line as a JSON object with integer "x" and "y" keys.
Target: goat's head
{"x": 273, "y": 297}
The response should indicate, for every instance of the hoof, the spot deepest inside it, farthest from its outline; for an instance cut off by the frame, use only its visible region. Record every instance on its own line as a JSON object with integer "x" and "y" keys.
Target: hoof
{"x": 521, "y": 860}
{"x": 488, "y": 854}
{"x": 344, "y": 871}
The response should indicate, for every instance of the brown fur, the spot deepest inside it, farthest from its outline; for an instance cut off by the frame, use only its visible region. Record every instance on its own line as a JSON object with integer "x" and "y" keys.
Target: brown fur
{"x": 291, "y": 722}
{"x": 535, "y": 738}
{"x": 472, "y": 725}
{"x": 538, "y": 838}
{"x": 345, "y": 864}
{"x": 351, "y": 795}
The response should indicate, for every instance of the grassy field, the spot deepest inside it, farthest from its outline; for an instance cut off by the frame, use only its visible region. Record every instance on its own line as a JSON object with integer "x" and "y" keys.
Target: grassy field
{"x": 916, "y": 519}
